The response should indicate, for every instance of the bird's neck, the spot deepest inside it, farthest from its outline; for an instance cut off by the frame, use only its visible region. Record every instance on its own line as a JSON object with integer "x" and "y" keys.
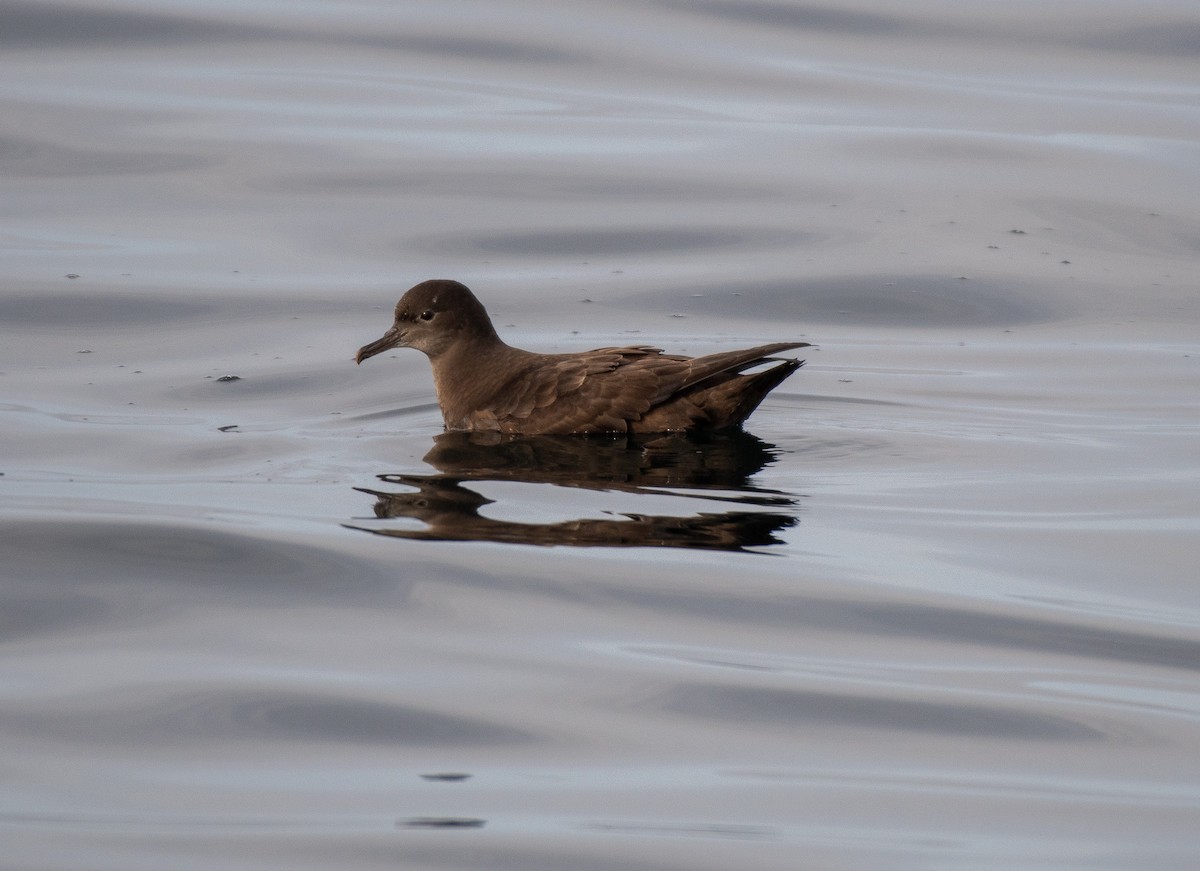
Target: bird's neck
{"x": 469, "y": 374}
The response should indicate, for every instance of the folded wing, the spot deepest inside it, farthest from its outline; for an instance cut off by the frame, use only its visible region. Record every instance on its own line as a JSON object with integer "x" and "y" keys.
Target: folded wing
{"x": 636, "y": 389}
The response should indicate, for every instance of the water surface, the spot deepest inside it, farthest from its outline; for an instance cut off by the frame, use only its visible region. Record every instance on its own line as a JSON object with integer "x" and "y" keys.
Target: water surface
{"x": 936, "y": 609}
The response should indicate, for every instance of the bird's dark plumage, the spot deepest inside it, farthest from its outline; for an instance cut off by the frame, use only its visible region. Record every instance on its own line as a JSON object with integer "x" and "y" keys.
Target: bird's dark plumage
{"x": 484, "y": 384}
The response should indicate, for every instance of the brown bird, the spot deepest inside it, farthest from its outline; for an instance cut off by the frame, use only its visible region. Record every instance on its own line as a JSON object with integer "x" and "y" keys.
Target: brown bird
{"x": 484, "y": 384}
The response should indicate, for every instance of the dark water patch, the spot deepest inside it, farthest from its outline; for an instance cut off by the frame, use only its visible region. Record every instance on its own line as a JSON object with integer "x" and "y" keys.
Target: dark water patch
{"x": 464, "y": 47}
{"x": 624, "y": 242}
{"x": 55, "y": 25}
{"x": 780, "y": 707}
{"x": 131, "y": 565}
{"x": 30, "y": 158}
{"x": 41, "y": 25}
{"x": 797, "y": 16}
{"x": 29, "y": 25}
{"x": 38, "y": 304}
{"x": 157, "y": 718}
{"x": 1173, "y": 38}
{"x": 520, "y": 185}
{"x": 32, "y": 612}
{"x": 100, "y": 309}
{"x": 451, "y": 823}
{"x": 900, "y": 301}
{"x": 1179, "y": 38}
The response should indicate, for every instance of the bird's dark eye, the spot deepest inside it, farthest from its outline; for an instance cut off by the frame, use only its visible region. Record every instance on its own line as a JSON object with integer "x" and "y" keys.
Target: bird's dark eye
{"x": 427, "y": 315}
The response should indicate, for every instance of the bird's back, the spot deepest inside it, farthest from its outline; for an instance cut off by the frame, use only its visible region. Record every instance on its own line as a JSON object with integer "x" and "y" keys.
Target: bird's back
{"x": 633, "y": 389}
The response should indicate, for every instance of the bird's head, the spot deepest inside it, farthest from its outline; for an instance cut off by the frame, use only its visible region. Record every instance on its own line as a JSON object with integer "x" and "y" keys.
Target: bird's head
{"x": 431, "y": 317}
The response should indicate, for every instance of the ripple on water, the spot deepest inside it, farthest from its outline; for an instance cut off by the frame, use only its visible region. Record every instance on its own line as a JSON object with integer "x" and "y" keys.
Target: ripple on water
{"x": 162, "y": 716}
{"x": 874, "y": 300}
{"x": 60, "y": 309}
{"x": 595, "y": 242}
{"x": 886, "y": 713}
{"x": 61, "y": 574}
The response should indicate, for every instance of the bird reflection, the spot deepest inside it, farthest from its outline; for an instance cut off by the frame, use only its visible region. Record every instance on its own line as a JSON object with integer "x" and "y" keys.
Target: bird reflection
{"x": 716, "y": 467}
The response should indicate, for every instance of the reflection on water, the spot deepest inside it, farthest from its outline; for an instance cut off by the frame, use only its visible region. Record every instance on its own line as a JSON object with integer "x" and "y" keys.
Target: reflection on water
{"x": 718, "y": 464}
{"x": 442, "y": 823}
{"x": 716, "y": 461}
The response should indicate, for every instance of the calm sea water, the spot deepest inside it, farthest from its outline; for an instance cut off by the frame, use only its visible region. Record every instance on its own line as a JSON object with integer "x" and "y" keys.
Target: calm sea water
{"x": 937, "y": 608}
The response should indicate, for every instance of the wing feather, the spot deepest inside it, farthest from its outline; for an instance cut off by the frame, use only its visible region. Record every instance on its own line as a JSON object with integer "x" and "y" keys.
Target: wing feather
{"x": 612, "y": 389}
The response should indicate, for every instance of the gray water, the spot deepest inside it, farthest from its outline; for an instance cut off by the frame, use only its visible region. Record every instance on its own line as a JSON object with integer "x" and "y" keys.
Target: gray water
{"x": 937, "y": 609}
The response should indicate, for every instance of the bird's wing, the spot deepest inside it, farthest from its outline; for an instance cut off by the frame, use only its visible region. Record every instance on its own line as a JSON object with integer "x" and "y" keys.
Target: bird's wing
{"x": 608, "y": 388}
{"x": 702, "y": 368}
{"x": 595, "y": 391}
